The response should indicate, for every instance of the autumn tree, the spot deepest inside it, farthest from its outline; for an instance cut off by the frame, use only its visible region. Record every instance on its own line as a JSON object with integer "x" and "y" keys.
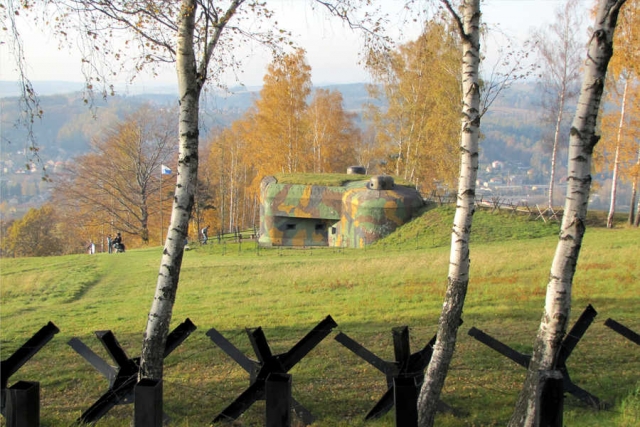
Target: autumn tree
{"x": 35, "y": 234}
{"x": 231, "y": 170}
{"x": 281, "y": 132}
{"x": 118, "y": 182}
{"x": 620, "y": 136}
{"x": 559, "y": 52}
{"x": 204, "y": 206}
{"x": 419, "y": 127}
{"x": 331, "y": 133}
{"x": 279, "y": 118}
{"x": 582, "y": 141}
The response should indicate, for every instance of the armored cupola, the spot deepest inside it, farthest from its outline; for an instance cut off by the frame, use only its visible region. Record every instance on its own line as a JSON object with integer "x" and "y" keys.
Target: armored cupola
{"x": 381, "y": 182}
{"x": 356, "y": 170}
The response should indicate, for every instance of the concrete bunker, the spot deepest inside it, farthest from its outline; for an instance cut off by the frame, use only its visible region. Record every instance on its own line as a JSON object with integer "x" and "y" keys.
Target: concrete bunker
{"x": 346, "y": 210}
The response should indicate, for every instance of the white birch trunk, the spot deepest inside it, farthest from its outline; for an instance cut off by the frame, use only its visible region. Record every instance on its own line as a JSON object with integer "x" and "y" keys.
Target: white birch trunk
{"x": 458, "y": 279}
{"x": 167, "y": 285}
{"x": 616, "y": 161}
{"x": 614, "y": 188}
{"x": 634, "y": 215}
{"x": 554, "y": 152}
{"x": 553, "y": 325}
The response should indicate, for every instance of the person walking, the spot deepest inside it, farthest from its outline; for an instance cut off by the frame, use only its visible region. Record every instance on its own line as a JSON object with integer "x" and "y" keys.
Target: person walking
{"x": 205, "y": 234}
{"x": 109, "y": 244}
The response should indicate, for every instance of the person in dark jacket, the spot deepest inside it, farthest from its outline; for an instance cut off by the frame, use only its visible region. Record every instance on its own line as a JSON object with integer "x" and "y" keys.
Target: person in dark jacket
{"x": 118, "y": 246}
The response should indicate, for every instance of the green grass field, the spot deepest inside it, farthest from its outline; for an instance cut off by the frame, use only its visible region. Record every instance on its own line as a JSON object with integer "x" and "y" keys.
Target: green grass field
{"x": 398, "y": 281}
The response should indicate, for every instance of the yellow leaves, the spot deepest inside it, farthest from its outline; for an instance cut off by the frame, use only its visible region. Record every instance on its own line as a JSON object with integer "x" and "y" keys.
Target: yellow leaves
{"x": 419, "y": 128}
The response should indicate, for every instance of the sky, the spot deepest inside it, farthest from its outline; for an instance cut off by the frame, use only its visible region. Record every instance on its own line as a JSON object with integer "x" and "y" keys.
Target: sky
{"x": 332, "y": 49}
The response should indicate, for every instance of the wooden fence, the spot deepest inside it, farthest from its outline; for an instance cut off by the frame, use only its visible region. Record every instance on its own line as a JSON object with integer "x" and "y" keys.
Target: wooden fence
{"x": 504, "y": 204}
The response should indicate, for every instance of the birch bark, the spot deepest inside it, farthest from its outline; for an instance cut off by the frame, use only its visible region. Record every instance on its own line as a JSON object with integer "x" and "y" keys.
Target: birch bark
{"x": 192, "y": 74}
{"x": 554, "y": 151}
{"x": 634, "y": 213}
{"x": 168, "y": 276}
{"x": 458, "y": 279}
{"x": 583, "y": 139}
{"x": 616, "y": 161}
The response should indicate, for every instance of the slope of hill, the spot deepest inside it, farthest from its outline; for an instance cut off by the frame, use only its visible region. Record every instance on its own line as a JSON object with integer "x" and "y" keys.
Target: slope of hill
{"x": 286, "y": 292}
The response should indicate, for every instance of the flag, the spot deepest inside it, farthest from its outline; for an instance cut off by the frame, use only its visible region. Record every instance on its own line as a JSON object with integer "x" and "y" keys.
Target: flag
{"x": 164, "y": 170}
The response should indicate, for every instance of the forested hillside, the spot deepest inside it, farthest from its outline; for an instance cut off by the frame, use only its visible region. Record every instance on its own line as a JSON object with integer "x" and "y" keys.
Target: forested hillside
{"x": 511, "y": 129}
{"x": 511, "y": 135}
{"x": 68, "y": 123}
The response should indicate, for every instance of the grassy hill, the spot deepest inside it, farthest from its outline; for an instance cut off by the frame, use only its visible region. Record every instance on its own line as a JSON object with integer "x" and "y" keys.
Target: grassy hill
{"x": 398, "y": 281}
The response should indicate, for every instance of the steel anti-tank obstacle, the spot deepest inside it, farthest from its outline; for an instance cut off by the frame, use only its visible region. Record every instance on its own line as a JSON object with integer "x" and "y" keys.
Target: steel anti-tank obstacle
{"x": 404, "y": 376}
{"x": 269, "y": 377}
{"x": 566, "y": 348}
{"x": 124, "y": 378}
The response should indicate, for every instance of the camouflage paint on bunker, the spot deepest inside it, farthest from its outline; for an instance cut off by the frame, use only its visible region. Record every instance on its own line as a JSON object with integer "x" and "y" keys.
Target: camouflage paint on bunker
{"x": 353, "y": 213}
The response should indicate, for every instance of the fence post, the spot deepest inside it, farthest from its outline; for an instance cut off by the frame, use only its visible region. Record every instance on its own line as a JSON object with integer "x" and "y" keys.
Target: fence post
{"x": 406, "y": 401}
{"x": 550, "y": 399}
{"x": 278, "y": 396}
{"x": 23, "y": 404}
{"x": 148, "y": 403}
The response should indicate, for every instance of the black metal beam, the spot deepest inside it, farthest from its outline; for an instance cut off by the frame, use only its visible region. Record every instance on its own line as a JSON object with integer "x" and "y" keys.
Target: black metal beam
{"x": 96, "y": 361}
{"x": 363, "y": 353}
{"x": 231, "y": 350}
{"x": 521, "y": 359}
{"x": 148, "y": 404}
{"x": 243, "y": 402}
{"x": 308, "y": 343}
{"x": 623, "y": 330}
{"x": 278, "y": 397}
{"x": 23, "y": 404}
{"x": 14, "y": 362}
{"x": 260, "y": 345}
{"x": 113, "y": 347}
{"x": 576, "y": 333}
{"x": 401, "y": 346}
{"x": 178, "y": 335}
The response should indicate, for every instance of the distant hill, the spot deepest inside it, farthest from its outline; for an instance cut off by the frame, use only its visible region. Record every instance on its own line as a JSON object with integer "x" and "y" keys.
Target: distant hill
{"x": 11, "y": 89}
{"x": 512, "y": 131}
{"x": 68, "y": 124}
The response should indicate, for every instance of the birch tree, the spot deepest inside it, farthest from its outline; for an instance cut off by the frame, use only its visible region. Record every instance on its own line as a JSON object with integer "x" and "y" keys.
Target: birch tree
{"x": 280, "y": 125}
{"x": 418, "y": 128}
{"x": 634, "y": 211}
{"x": 468, "y": 29}
{"x": 620, "y": 136}
{"x": 559, "y": 48}
{"x": 229, "y": 165}
{"x": 582, "y": 142}
{"x": 331, "y": 133}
